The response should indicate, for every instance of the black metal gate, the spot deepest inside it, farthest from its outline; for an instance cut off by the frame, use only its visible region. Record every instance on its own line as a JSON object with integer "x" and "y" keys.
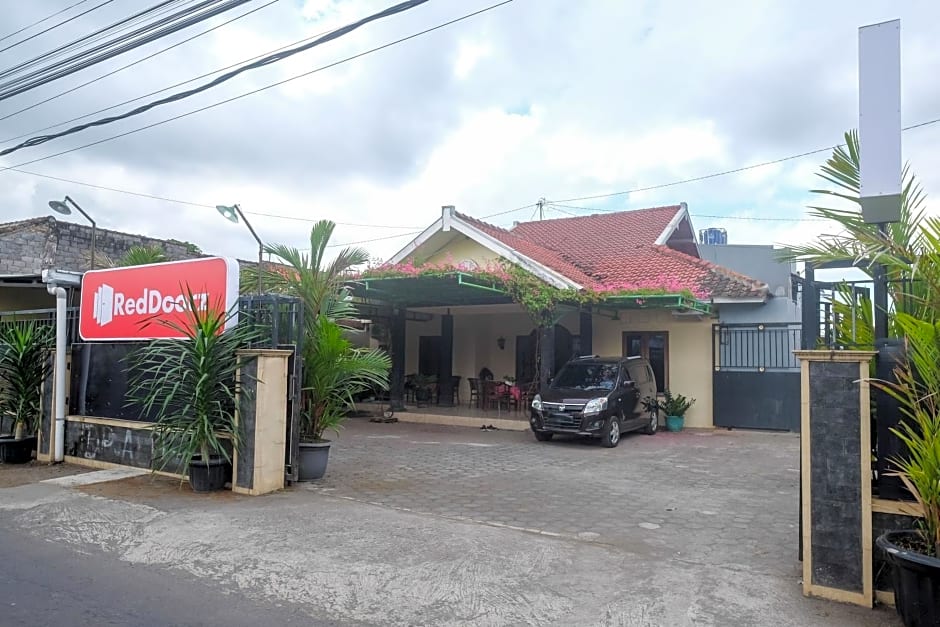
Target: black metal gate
{"x": 282, "y": 319}
{"x": 756, "y": 378}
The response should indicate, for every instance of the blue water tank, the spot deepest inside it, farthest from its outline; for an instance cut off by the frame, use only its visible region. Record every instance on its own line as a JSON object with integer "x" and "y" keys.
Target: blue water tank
{"x": 713, "y": 237}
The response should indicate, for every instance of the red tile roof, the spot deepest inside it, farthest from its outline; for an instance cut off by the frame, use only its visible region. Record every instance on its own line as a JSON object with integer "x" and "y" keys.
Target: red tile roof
{"x": 619, "y": 249}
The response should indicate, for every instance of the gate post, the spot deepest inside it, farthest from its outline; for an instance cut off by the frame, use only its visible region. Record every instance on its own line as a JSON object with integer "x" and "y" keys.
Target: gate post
{"x": 261, "y": 408}
{"x": 835, "y": 475}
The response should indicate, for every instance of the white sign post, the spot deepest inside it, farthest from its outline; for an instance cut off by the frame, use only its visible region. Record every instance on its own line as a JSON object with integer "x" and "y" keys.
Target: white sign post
{"x": 879, "y": 121}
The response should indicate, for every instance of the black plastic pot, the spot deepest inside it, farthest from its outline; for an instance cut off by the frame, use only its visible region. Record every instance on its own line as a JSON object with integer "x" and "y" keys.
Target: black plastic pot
{"x": 211, "y": 476}
{"x": 13, "y": 451}
{"x": 313, "y": 459}
{"x": 916, "y": 580}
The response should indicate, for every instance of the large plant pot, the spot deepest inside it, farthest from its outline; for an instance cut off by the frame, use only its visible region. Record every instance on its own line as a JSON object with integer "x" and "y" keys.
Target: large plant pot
{"x": 422, "y": 397}
{"x": 916, "y": 580}
{"x": 211, "y": 476}
{"x": 17, "y": 451}
{"x": 313, "y": 459}
{"x": 675, "y": 423}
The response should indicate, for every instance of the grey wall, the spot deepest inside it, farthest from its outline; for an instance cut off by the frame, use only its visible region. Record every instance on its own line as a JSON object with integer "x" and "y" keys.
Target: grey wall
{"x": 778, "y": 309}
{"x": 757, "y": 262}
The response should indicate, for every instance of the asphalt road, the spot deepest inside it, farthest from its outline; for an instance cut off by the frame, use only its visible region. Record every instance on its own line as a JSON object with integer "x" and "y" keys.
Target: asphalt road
{"x": 45, "y": 584}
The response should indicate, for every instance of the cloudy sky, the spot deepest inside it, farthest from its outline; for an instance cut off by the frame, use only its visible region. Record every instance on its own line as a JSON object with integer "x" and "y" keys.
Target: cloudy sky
{"x": 538, "y": 98}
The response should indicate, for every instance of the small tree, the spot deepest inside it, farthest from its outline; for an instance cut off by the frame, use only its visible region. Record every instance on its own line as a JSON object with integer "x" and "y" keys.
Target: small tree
{"x": 24, "y": 365}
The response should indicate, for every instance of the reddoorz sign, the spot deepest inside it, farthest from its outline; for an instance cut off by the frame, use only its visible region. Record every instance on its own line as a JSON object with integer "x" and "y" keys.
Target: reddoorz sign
{"x": 130, "y": 303}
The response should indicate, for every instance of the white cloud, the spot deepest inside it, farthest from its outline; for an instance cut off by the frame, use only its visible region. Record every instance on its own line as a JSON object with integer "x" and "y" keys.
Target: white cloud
{"x": 554, "y": 99}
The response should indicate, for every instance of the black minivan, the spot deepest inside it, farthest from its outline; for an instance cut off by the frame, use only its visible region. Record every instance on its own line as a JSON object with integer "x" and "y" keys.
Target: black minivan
{"x": 599, "y": 397}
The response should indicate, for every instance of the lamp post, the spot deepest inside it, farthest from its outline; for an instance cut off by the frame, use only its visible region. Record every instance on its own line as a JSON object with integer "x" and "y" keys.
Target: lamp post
{"x": 232, "y": 214}
{"x": 62, "y": 206}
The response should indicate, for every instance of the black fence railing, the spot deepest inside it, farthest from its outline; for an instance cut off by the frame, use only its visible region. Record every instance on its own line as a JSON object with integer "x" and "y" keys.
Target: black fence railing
{"x": 280, "y": 317}
{"x": 756, "y": 347}
{"x": 45, "y": 317}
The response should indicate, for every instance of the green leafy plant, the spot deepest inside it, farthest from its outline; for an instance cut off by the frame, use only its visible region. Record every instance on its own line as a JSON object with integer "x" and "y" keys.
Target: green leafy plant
{"x": 189, "y": 386}
{"x": 335, "y": 372}
{"x": 141, "y": 255}
{"x": 673, "y": 404}
{"x": 917, "y": 389}
{"x": 24, "y": 365}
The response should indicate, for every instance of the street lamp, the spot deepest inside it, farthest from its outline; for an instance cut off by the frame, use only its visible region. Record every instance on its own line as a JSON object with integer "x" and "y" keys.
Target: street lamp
{"x": 62, "y": 206}
{"x": 232, "y": 214}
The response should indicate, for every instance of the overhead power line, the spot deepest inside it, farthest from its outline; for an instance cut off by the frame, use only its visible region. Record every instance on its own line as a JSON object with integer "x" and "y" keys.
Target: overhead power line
{"x": 274, "y": 58}
{"x": 45, "y": 19}
{"x": 697, "y": 215}
{"x": 197, "y": 204}
{"x": 132, "y": 64}
{"x": 151, "y": 32}
{"x": 54, "y": 26}
{"x": 158, "y": 91}
{"x": 724, "y": 172}
{"x": 243, "y": 95}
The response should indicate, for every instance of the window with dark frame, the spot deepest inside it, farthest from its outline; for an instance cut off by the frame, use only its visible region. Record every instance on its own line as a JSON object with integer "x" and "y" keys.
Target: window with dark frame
{"x": 654, "y": 346}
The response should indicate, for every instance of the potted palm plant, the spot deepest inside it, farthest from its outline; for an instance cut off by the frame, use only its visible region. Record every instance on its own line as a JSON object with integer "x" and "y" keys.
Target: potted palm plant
{"x": 674, "y": 407}
{"x": 190, "y": 389}
{"x": 24, "y": 365}
{"x": 915, "y": 553}
{"x": 335, "y": 372}
{"x": 333, "y": 369}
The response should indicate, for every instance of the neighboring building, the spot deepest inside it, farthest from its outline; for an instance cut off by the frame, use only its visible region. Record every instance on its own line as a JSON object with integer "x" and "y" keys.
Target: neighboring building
{"x": 452, "y": 323}
{"x": 754, "y": 342}
{"x": 29, "y": 247}
{"x": 764, "y": 264}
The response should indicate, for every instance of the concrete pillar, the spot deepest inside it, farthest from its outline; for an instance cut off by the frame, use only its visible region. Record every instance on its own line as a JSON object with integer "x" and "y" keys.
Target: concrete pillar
{"x": 587, "y": 332}
{"x": 546, "y": 355}
{"x": 446, "y": 369}
{"x": 397, "y": 375}
{"x": 835, "y": 475}
{"x": 810, "y": 309}
{"x": 258, "y": 468}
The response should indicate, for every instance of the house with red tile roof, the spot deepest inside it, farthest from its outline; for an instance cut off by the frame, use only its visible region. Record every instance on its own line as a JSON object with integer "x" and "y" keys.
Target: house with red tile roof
{"x": 630, "y": 283}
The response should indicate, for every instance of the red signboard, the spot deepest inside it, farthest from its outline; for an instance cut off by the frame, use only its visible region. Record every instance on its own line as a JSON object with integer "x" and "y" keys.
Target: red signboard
{"x": 129, "y": 303}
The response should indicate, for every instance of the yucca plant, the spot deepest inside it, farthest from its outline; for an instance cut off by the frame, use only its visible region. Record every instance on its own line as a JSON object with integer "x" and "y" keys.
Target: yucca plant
{"x": 189, "y": 386}
{"x": 24, "y": 365}
{"x": 917, "y": 389}
{"x": 674, "y": 404}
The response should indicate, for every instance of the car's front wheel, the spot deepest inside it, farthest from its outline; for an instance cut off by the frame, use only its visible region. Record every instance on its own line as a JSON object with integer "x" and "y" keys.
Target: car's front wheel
{"x": 543, "y": 436}
{"x": 611, "y": 436}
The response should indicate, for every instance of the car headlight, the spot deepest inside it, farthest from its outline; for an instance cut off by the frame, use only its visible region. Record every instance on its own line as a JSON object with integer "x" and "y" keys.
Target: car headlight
{"x": 537, "y": 402}
{"x": 595, "y": 406}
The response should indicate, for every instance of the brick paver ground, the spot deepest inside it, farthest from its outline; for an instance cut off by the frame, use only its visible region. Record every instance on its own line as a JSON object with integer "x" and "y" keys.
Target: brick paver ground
{"x": 722, "y": 498}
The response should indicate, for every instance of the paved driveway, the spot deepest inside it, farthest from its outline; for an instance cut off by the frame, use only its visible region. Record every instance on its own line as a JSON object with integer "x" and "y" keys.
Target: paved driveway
{"x": 708, "y": 519}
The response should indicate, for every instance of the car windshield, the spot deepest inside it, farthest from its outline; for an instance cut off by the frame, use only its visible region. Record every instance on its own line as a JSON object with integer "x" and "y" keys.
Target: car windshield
{"x": 587, "y": 377}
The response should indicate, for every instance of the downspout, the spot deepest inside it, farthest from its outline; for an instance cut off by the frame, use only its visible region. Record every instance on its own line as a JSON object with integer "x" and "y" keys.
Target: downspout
{"x": 59, "y": 369}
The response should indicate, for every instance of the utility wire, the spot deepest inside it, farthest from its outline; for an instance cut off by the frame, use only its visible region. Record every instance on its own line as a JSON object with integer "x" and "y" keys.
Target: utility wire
{"x": 197, "y": 204}
{"x": 274, "y": 58}
{"x": 369, "y": 241}
{"x": 221, "y": 102}
{"x": 144, "y": 35}
{"x": 498, "y": 213}
{"x": 45, "y": 19}
{"x": 725, "y": 172}
{"x": 54, "y": 26}
{"x": 93, "y": 37}
{"x": 158, "y": 91}
{"x": 153, "y": 93}
{"x": 699, "y": 215}
{"x": 141, "y": 60}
